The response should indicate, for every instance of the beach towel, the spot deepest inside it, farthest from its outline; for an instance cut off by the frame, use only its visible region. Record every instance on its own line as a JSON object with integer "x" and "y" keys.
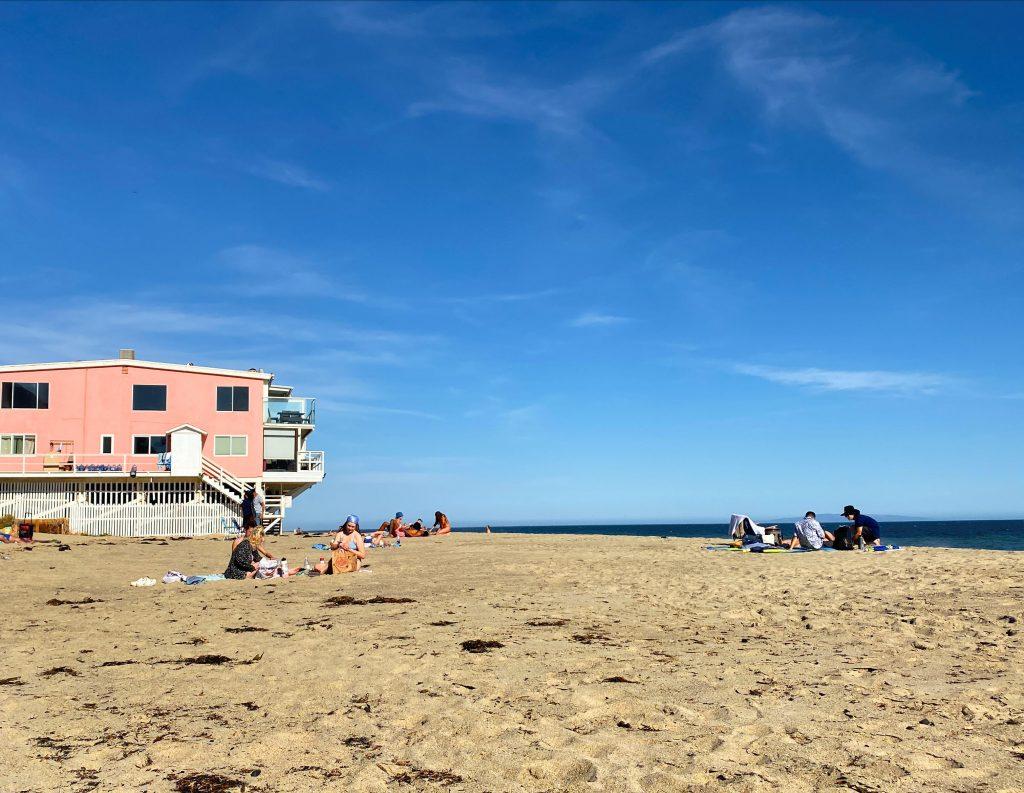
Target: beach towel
{"x": 192, "y": 580}
{"x": 173, "y": 577}
{"x": 319, "y": 546}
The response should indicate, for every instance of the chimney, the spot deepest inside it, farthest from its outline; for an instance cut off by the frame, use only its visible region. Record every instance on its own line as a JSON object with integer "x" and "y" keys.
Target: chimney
{"x": 127, "y": 355}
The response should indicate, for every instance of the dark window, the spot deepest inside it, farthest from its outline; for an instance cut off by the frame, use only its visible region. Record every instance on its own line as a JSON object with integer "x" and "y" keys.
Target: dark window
{"x": 106, "y": 444}
{"x": 233, "y": 398}
{"x": 149, "y": 397}
{"x": 26, "y": 395}
{"x": 149, "y": 444}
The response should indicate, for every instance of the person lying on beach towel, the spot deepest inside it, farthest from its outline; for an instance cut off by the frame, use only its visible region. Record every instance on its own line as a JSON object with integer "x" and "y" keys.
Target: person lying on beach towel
{"x": 347, "y": 549}
{"x": 809, "y": 534}
{"x": 417, "y": 529}
{"x": 742, "y": 527}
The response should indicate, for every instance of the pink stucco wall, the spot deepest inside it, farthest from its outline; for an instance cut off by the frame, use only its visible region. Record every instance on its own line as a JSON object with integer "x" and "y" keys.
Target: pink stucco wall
{"x": 86, "y": 403}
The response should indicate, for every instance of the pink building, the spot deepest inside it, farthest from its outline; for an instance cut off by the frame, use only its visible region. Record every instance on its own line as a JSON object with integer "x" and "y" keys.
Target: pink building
{"x": 134, "y": 447}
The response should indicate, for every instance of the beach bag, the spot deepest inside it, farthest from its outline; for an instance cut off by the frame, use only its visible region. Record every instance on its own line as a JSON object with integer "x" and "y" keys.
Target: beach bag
{"x": 843, "y": 539}
{"x": 343, "y": 561}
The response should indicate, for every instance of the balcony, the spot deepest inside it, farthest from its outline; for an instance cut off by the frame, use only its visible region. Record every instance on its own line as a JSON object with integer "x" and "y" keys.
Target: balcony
{"x": 306, "y": 462}
{"x": 301, "y": 471}
{"x": 84, "y": 464}
{"x": 291, "y": 411}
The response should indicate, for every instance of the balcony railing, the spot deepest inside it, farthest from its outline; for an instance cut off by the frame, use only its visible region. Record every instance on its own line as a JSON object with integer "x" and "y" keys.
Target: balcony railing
{"x": 291, "y": 410}
{"x": 311, "y": 461}
{"x": 84, "y": 463}
{"x": 306, "y": 461}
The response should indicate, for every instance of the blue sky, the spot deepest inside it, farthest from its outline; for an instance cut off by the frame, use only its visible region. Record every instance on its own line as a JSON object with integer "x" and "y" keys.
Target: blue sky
{"x": 567, "y": 262}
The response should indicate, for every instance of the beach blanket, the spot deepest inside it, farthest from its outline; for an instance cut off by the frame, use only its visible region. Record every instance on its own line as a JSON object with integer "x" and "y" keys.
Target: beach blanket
{"x": 763, "y": 548}
{"x": 319, "y": 546}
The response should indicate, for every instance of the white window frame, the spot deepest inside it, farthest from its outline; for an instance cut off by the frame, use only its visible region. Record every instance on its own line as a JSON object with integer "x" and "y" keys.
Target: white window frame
{"x": 147, "y": 454}
{"x": 231, "y": 439}
{"x": 22, "y": 435}
{"x": 103, "y": 438}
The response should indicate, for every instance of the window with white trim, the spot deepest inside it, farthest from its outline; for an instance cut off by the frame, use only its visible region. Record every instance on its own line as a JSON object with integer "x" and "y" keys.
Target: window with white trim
{"x": 106, "y": 444}
{"x": 149, "y": 444}
{"x": 17, "y": 444}
{"x": 233, "y": 398}
{"x": 231, "y": 445}
{"x": 33, "y": 396}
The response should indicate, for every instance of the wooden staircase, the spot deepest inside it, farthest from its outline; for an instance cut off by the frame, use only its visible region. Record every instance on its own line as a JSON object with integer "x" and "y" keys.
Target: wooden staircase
{"x": 225, "y": 482}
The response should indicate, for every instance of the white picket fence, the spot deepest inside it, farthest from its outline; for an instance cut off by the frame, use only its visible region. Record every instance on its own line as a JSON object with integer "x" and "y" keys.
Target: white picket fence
{"x": 124, "y": 509}
{"x": 152, "y": 520}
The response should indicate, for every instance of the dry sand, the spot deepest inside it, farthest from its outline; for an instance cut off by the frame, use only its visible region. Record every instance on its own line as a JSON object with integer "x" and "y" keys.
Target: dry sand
{"x": 641, "y": 665}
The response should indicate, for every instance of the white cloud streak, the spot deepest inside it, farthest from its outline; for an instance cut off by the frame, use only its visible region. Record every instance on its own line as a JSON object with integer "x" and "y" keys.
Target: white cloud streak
{"x": 880, "y": 104}
{"x": 286, "y": 173}
{"x": 269, "y": 271}
{"x": 880, "y": 381}
{"x": 594, "y": 319}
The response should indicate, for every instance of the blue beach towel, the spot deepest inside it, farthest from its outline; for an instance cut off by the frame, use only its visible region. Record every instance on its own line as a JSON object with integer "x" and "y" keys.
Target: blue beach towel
{"x": 192, "y": 580}
{"x": 319, "y": 546}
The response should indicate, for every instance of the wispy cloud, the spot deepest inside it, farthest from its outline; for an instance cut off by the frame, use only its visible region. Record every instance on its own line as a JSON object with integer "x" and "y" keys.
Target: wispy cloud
{"x": 880, "y": 381}
{"x": 286, "y": 173}
{"x": 592, "y": 319}
{"x": 366, "y": 410}
{"x": 413, "y": 20}
{"x": 879, "y": 102}
{"x": 505, "y": 297}
{"x": 270, "y": 271}
{"x": 560, "y": 110}
{"x": 873, "y": 101}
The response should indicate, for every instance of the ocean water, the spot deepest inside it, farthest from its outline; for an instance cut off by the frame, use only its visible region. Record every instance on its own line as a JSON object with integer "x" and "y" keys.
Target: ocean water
{"x": 998, "y": 535}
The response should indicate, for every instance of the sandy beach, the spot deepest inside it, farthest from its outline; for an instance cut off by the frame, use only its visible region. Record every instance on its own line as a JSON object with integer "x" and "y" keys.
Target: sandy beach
{"x": 615, "y": 664}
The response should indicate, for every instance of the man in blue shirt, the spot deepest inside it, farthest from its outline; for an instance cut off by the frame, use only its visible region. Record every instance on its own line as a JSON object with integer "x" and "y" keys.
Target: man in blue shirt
{"x": 863, "y": 526}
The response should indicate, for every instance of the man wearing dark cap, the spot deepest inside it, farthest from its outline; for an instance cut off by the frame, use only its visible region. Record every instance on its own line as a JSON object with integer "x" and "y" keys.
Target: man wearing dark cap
{"x": 864, "y": 526}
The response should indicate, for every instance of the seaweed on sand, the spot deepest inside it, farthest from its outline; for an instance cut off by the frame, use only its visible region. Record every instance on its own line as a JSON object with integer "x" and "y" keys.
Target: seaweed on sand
{"x": 480, "y": 645}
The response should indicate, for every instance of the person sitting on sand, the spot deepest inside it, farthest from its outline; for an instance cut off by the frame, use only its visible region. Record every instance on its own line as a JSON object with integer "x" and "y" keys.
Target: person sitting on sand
{"x": 382, "y": 537}
{"x": 809, "y": 534}
{"x": 26, "y": 530}
{"x": 242, "y": 564}
{"x": 863, "y": 526}
{"x": 396, "y": 526}
{"x": 347, "y": 546}
{"x": 441, "y": 524}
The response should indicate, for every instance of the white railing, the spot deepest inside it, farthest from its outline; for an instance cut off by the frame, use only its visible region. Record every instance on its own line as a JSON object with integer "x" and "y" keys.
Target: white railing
{"x": 223, "y": 480}
{"x": 273, "y": 512}
{"x": 311, "y": 461}
{"x": 64, "y": 463}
